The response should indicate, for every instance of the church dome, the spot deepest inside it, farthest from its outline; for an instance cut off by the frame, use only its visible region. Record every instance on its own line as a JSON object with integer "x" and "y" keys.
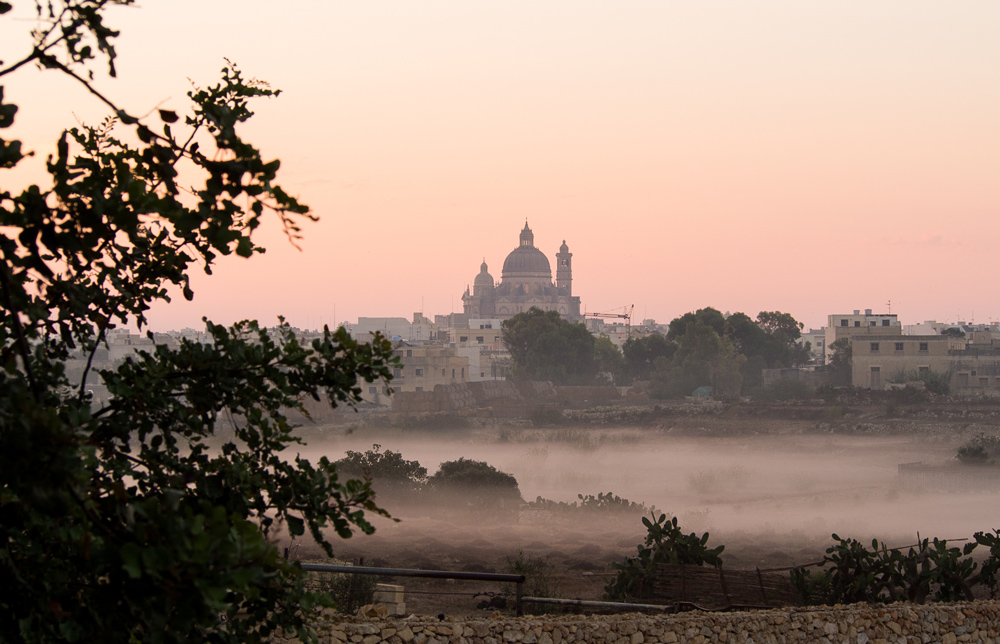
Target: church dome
{"x": 484, "y": 278}
{"x": 526, "y": 260}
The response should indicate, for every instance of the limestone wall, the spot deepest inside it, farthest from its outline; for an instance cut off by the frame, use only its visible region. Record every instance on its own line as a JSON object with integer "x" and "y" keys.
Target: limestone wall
{"x": 854, "y": 624}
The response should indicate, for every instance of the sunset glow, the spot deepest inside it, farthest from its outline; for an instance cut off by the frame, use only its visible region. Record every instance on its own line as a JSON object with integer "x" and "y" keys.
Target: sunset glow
{"x": 813, "y": 158}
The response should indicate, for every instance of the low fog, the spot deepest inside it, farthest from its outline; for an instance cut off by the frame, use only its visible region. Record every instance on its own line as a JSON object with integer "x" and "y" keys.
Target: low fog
{"x": 798, "y": 487}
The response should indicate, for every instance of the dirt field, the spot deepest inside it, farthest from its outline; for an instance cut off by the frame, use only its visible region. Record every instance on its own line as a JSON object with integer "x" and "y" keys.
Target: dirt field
{"x": 771, "y": 490}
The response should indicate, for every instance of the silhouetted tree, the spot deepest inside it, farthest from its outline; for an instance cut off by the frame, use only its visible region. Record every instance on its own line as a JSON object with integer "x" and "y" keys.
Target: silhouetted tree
{"x": 118, "y": 523}
{"x": 543, "y": 346}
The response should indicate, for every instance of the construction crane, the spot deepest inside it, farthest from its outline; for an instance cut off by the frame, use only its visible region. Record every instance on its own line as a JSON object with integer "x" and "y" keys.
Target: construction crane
{"x": 626, "y": 315}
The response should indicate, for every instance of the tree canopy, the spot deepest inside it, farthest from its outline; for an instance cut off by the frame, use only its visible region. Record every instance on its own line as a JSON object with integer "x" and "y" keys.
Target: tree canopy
{"x": 118, "y": 521}
{"x": 707, "y": 348}
{"x": 543, "y": 346}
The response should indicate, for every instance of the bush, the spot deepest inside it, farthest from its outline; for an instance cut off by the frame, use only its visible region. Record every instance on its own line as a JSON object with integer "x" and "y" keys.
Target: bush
{"x": 600, "y": 504}
{"x": 665, "y": 543}
{"x": 538, "y": 580}
{"x": 477, "y": 483}
{"x": 388, "y": 470}
{"x": 931, "y": 569}
{"x": 351, "y": 592}
{"x": 784, "y": 390}
{"x": 935, "y": 382}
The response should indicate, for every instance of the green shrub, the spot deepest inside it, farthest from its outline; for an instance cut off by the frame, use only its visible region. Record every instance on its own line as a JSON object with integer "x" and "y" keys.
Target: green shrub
{"x": 936, "y": 382}
{"x": 478, "y": 484}
{"x": 538, "y": 580}
{"x": 388, "y": 470}
{"x": 602, "y": 503}
{"x": 665, "y": 543}
{"x": 351, "y": 592}
{"x": 855, "y": 573}
{"x": 784, "y": 390}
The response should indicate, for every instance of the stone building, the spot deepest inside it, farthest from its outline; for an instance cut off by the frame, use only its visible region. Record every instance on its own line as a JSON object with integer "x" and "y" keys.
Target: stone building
{"x": 867, "y": 323}
{"x": 878, "y": 360}
{"x": 526, "y": 281}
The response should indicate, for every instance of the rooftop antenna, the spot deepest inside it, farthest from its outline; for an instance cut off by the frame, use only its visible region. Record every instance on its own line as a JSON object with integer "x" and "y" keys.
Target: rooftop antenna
{"x": 889, "y": 304}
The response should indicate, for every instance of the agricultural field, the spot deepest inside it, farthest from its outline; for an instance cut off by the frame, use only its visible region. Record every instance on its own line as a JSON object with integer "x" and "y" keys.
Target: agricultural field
{"x": 771, "y": 486}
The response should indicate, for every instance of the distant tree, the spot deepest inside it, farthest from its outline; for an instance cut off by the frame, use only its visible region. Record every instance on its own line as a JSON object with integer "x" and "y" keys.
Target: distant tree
{"x": 478, "y": 483}
{"x": 641, "y": 354}
{"x": 953, "y": 332}
{"x": 609, "y": 359}
{"x": 707, "y": 316}
{"x": 840, "y": 365}
{"x": 703, "y": 358}
{"x": 388, "y": 471}
{"x": 544, "y": 346}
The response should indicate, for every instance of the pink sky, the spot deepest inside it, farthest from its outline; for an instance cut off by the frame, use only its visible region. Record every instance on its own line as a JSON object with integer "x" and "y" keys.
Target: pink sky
{"x": 809, "y": 157}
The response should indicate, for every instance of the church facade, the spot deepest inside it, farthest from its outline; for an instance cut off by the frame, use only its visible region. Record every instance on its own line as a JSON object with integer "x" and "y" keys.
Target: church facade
{"x": 526, "y": 281}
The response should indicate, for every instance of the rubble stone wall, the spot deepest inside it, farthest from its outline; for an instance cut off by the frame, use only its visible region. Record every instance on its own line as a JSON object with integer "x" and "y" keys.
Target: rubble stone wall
{"x": 856, "y": 624}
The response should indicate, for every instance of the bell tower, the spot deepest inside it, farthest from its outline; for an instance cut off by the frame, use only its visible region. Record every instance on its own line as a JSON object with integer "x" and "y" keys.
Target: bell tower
{"x": 564, "y": 268}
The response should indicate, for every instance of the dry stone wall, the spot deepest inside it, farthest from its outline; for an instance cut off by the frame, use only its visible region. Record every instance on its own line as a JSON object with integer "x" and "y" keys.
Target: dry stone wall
{"x": 854, "y": 624}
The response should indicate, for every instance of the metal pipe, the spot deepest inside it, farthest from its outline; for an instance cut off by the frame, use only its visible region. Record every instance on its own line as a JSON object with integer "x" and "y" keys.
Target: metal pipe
{"x": 596, "y": 604}
{"x": 408, "y": 572}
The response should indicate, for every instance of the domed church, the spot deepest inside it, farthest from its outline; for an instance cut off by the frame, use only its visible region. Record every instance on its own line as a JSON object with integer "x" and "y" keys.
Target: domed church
{"x": 526, "y": 281}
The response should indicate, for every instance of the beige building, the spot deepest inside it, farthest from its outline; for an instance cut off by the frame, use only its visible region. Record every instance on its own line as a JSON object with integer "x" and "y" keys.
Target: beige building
{"x": 421, "y": 368}
{"x": 856, "y": 324}
{"x": 878, "y": 360}
{"x": 482, "y": 344}
{"x": 526, "y": 282}
{"x": 394, "y": 328}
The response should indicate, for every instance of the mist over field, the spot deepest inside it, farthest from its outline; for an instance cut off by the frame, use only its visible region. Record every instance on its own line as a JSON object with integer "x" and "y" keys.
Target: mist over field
{"x": 787, "y": 486}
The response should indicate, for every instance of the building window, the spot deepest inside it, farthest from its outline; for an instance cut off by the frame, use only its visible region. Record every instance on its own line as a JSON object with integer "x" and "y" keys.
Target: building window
{"x": 973, "y": 373}
{"x": 923, "y": 346}
{"x": 479, "y": 339}
{"x": 384, "y": 389}
{"x": 442, "y": 372}
{"x": 452, "y": 373}
{"x": 857, "y": 323}
{"x": 482, "y": 374}
{"x": 371, "y": 390}
{"x": 463, "y": 338}
{"x": 874, "y": 347}
{"x": 397, "y": 373}
{"x": 409, "y": 353}
{"x": 843, "y": 323}
{"x": 419, "y": 372}
{"x": 885, "y": 322}
{"x": 899, "y": 346}
{"x": 872, "y": 323}
{"x": 419, "y": 389}
{"x": 463, "y": 372}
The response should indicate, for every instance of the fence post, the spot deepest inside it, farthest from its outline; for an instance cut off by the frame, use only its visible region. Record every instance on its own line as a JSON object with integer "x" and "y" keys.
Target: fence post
{"x": 518, "y": 594}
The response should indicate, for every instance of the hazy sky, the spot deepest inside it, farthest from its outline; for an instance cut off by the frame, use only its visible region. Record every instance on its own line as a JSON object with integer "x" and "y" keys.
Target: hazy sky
{"x": 805, "y": 156}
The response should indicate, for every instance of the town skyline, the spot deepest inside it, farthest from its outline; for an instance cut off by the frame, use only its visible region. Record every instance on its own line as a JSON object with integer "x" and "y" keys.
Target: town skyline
{"x": 775, "y": 156}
